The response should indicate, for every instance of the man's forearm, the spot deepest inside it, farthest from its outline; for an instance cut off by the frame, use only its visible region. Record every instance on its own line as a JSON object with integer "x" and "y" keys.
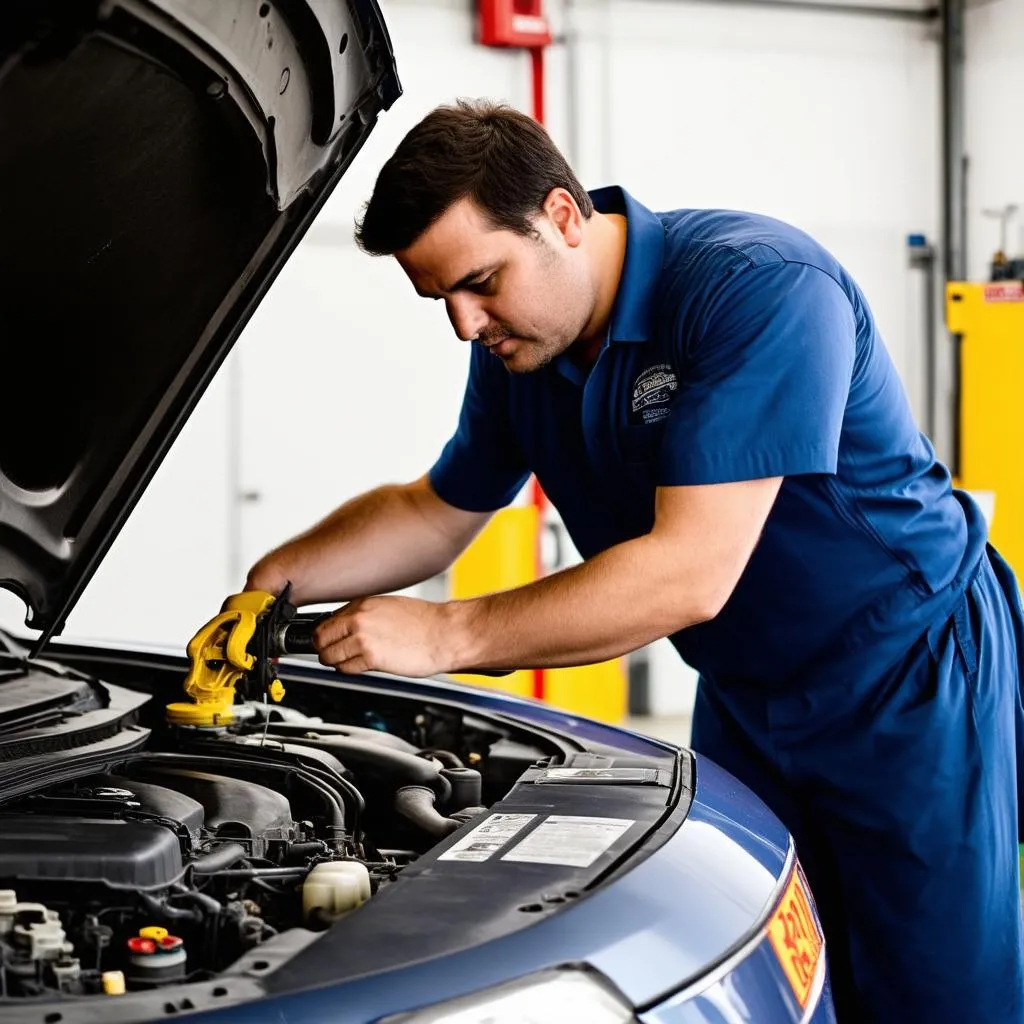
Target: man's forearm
{"x": 679, "y": 574}
{"x": 387, "y": 539}
{"x": 618, "y": 601}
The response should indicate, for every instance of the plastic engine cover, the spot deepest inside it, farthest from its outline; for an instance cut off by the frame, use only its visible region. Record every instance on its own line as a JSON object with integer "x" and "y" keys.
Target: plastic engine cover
{"x": 129, "y": 853}
{"x": 235, "y": 805}
{"x": 161, "y": 800}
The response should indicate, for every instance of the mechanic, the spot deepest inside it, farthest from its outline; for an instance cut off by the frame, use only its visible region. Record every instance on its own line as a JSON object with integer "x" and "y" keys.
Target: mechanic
{"x": 706, "y": 399}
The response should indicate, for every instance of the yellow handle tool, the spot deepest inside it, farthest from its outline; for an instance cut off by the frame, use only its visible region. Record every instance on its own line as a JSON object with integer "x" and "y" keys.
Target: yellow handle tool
{"x": 252, "y": 629}
{"x": 219, "y": 658}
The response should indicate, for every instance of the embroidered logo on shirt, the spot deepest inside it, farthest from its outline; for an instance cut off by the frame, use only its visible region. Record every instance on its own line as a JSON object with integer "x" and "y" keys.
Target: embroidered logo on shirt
{"x": 652, "y": 392}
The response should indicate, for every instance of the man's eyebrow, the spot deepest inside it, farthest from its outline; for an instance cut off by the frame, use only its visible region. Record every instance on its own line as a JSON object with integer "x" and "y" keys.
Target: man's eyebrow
{"x": 462, "y": 282}
{"x": 469, "y": 278}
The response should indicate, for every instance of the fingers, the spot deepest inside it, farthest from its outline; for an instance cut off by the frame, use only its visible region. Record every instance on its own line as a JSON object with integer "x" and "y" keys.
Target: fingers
{"x": 339, "y": 657}
{"x": 339, "y": 646}
{"x": 339, "y": 640}
{"x": 341, "y": 651}
{"x": 335, "y": 628}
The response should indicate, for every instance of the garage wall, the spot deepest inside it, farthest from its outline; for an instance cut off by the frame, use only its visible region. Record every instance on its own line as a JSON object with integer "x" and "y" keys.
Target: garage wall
{"x": 344, "y": 378}
{"x": 994, "y": 137}
{"x": 822, "y": 119}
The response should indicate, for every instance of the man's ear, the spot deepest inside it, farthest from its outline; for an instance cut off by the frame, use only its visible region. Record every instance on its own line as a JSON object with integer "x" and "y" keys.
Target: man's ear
{"x": 561, "y": 210}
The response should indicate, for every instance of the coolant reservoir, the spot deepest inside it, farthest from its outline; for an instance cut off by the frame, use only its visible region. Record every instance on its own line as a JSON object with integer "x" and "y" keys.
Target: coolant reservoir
{"x": 335, "y": 888}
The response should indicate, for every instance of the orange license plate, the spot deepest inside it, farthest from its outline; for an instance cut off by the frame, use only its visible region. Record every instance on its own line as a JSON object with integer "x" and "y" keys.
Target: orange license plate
{"x": 796, "y": 938}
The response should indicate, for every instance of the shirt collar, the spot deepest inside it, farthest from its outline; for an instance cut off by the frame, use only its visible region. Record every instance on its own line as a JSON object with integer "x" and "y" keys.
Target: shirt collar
{"x": 633, "y": 311}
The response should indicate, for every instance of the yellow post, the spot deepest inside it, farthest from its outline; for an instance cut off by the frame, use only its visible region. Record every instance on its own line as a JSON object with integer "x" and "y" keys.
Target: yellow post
{"x": 990, "y": 319}
{"x": 503, "y": 556}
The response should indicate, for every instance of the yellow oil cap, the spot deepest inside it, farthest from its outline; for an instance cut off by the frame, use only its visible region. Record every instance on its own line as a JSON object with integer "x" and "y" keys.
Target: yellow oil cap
{"x": 209, "y": 713}
{"x": 154, "y": 932}
{"x": 113, "y": 983}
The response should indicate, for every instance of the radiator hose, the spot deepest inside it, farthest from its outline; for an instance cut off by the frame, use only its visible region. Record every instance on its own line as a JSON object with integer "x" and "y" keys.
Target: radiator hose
{"x": 221, "y": 857}
{"x": 389, "y": 765}
{"x": 416, "y": 805}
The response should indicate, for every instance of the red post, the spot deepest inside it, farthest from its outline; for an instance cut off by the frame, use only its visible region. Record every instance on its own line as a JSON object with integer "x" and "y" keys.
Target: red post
{"x": 537, "y": 495}
{"x": 537, "y": 70}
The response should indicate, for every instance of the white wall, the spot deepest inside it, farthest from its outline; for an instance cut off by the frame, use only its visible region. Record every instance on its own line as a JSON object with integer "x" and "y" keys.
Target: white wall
{"x": 994, "y": 135}
{"x": 374, "y": 375}
{"x": 346, "y": 379}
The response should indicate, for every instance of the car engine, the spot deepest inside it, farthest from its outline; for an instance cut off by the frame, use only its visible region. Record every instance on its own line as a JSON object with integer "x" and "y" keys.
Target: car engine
{"x": 199, "y": 845}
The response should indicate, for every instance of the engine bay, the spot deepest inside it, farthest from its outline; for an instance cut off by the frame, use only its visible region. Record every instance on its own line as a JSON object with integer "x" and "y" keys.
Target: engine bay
{"x": 183, "y": 849}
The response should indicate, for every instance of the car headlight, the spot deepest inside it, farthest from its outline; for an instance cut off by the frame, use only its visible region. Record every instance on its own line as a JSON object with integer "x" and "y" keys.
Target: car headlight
{"x": 561, "y": 996}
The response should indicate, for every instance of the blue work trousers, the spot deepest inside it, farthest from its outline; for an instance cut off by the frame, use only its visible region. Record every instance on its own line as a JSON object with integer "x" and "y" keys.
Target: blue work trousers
{"x": 902, "y": 798}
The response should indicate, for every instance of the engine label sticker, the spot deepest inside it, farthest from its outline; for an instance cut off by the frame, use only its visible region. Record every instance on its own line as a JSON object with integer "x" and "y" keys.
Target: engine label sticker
{"x": 611, "y": 776}
{"x": 488, "y": 838}
{"x": 570, "y": 840}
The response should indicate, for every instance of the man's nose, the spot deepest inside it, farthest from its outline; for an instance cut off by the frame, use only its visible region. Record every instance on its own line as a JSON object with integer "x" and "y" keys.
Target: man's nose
{"x": 467, "y": 317}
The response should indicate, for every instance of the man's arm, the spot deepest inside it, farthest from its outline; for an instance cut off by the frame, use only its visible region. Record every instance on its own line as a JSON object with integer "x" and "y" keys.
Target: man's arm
{"x": 679, "y": 574}
{"x": 387, "y": 539}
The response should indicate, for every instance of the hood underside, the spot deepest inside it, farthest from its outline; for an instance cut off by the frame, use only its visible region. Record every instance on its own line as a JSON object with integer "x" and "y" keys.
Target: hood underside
{"x": 159, "y": 161}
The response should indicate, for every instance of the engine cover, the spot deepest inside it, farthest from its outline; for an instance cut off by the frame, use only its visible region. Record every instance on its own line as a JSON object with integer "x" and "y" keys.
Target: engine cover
{"x": 127, "y": 853}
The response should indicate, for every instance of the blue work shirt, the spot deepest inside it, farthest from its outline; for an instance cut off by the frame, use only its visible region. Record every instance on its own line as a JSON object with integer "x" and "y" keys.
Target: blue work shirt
{"x": 738, "y": 348}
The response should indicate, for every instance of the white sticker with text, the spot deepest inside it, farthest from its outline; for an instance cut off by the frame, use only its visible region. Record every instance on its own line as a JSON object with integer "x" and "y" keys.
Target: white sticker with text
{"x": 571, "y": 840}
{"x": 487, "y": 838}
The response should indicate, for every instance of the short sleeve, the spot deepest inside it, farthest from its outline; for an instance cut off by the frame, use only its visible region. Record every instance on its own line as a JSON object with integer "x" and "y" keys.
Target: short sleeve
{"x": 481, "y": 469}
{"x": 763, "y": 381}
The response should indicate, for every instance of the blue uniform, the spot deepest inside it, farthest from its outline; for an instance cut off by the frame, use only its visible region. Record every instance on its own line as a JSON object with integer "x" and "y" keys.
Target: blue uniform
{"x": 863, "y": 678}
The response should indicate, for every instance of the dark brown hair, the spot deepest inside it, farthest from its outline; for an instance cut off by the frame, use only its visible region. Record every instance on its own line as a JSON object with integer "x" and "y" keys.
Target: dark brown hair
{"x": 498, "y": 157}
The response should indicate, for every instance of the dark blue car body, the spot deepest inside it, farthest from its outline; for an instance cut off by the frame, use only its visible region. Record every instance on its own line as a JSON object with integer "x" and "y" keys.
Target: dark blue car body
{"x": 681, "y": 934}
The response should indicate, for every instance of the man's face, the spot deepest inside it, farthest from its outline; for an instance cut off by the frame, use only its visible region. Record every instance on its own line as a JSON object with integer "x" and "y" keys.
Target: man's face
{"x": 526, "y": 298}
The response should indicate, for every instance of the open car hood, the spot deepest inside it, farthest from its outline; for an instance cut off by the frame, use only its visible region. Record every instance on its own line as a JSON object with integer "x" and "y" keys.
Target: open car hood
{"x": 159, "y": 161}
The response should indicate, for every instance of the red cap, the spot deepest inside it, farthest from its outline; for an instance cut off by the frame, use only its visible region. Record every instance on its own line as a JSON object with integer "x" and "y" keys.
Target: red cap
{"x": 137, "y": 944}
{"x": 170, "y": 942}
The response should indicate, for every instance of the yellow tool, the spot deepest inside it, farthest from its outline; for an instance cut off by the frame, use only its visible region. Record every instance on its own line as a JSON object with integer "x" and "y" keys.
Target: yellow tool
{"x": 239, "y": 643}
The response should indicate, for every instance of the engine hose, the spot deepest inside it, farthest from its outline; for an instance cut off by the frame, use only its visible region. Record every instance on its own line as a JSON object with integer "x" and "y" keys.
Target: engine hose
{"x": 467, "y": 788}
{"x": 200, "y": 899}
{"x": 158, "y": 908}
{"x": 221, "y": 857}
{"x": 416, "y": 804}
{"x": 394, "y": 766}
{"x": 286, "y": 872}
{"x": 326, "y": 783}
{"x": 304, "y": 851}
{"x": 354, "y": 732}
{"x": 334, "y": 827}
{"x": 468, "y": 814}
{"x": 358, "y": 804}
{"x": 446, "y": 757}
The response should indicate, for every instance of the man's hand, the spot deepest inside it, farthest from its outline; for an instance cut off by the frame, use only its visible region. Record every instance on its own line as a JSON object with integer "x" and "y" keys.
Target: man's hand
{"x": 629, "y": 595}
{"x": 400, "y": 635}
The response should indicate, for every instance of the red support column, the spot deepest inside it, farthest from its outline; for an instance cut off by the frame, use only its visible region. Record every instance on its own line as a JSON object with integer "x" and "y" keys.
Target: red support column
{"x": 536, "y": 491}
